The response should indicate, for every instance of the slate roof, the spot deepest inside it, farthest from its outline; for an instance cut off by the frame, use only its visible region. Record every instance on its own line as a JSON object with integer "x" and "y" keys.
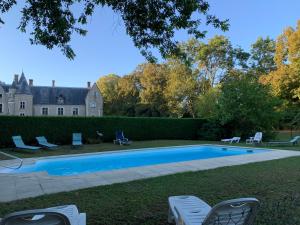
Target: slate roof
{"x": 22, "y": 86}
{"x": 50, "y": 95}
{"x": 43, "y": 95}
{"x": 5, "y": 87}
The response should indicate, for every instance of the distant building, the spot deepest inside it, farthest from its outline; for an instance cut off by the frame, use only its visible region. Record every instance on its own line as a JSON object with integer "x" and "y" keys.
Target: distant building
{"x": 23, "y": 99}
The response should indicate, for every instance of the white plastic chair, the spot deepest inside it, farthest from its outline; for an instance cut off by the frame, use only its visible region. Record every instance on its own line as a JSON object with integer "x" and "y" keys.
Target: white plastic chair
{"x": 60, "y": 215}
{"x": 256, "y": 139}
{"x": 190, "y": 210}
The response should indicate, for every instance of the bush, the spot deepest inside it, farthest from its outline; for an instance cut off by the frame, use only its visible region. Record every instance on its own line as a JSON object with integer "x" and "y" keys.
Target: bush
{"x": 247, "y": 106}
{"x": 211, "y": 131}
{"x": 59, "y": 129}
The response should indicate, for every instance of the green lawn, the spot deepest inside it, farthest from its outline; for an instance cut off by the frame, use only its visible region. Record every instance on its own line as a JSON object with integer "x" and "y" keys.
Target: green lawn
{"x": 275, "y": 183}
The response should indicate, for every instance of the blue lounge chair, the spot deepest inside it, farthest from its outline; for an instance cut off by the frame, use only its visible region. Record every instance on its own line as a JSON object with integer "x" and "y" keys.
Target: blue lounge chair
{"x": 20, "y": 144}
{"x": 44, "y": 143}
{"x": 76, "y": 139}
{"x": 121, "y": 139}
{"x": 61, "y": 215}
{"x": 293, "y": 141}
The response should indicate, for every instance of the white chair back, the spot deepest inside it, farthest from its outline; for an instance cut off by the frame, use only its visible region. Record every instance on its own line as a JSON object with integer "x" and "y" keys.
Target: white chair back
{"x": 257, "y": 137}
{"x": 233, "y": 212}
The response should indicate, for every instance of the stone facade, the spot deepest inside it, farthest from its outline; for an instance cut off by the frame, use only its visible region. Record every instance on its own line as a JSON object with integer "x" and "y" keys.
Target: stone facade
{"x": 23, "y": 99}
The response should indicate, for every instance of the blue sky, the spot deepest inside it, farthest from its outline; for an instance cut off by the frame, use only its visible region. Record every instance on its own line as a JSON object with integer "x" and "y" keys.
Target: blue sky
{"x": 107, "y": 49}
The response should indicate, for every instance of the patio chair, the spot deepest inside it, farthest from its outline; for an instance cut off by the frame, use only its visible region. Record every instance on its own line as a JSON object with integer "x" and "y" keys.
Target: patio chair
{"x": 231, "y": 140}
{"x": 44, "y": 143}
{"x": 190, "y": 210}
{"x": 18, "y": 141}
{"x": 256, "y": 139}
{"x": 76, "y": 139}
{"x": 293, "y": 141}
{"x": 61, "y": 215}
{"x": 121, "y": 139}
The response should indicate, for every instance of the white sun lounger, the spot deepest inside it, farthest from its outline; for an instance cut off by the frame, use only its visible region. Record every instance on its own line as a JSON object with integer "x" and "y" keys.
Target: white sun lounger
{"x": 293, "y": 141}
{"x": 256, "y": 139}
{"x": 61, "y": 215}
{"x": 190, "y": 210}
{"x": 232, "y": 140}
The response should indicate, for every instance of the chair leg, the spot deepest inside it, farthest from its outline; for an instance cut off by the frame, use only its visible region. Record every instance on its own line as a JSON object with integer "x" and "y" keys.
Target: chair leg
{"x": 170, "y": 216}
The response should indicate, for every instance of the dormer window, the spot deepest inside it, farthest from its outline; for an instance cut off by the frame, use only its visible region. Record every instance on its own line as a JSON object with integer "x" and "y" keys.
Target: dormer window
{"x": 92, "y": 105}
{"x": 96, "y": 94}
{"x": 60, "y": 100}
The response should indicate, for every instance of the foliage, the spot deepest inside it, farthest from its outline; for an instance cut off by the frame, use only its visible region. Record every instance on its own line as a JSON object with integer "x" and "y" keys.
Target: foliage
{"x": 285, "y": 81}
{"x": 152, "y": 82}
{"x": 121, "y": 94}
{"x": 207, "y": 104}
{"x": 129, "y": 89}
{"x": 110, "y": 91}
{"x": 149, "y": 23}
{"x": 182, "y": 89}
{"x": 214, "y": 59}
{"x": 246, "y": 105}
{"x": 212, "y": 130}
{"x": 262, "y": 56}
{"x": 59, "y": 129}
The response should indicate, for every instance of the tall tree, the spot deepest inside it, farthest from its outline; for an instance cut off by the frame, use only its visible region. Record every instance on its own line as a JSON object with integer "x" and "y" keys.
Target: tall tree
{"x": 182, "y": 89}
{"x": 108, "y": 86}
{"x": 246, "y": 106}
{"x": 128, "y": 92}
{"x": 149, "y": 23}
{"x": 214, "y": 59}
{"x": 285, "y": 80}
{"x": 153, "y": 78}
{"x": 207, "y": 104}
{"x": 262, "y": 56}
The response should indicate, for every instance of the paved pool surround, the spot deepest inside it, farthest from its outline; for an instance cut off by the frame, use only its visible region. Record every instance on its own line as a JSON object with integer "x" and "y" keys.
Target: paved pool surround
{"x": 20, "y": 186}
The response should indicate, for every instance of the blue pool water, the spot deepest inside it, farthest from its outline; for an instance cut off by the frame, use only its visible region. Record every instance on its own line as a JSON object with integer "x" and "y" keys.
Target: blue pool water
{"x": 135, "y": 158}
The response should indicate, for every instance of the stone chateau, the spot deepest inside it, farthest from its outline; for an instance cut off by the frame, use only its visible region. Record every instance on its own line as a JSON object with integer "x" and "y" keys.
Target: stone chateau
{"x": 25, "y": 99}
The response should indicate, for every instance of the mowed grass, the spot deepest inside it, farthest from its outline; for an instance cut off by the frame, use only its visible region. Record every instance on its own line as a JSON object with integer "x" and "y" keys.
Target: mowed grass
{"x": 275, "y": 183}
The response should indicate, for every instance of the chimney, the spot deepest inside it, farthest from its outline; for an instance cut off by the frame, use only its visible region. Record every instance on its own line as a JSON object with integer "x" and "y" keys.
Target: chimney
{"x": 16, "y": 79}
{"x": 89, "y": 84}
{"x": 53, "y": 83}
{"x": 30, "y": 82}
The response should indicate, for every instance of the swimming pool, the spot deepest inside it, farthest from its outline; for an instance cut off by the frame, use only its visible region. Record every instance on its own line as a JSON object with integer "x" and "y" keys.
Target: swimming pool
{"x": 72, "y": 165}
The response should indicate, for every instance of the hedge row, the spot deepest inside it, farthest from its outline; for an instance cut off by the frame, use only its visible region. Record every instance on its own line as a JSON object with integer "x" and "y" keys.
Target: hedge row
{"x": 59, "y": 129}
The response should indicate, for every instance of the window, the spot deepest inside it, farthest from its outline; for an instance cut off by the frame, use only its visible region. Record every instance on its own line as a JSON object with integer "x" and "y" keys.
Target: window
{"x": 75, "y": 111}
{"x": 0, "y": 95}
{"x": 22, "y": 105}
{"x": 96, "y": 94}
{"x": 45, "y": 111}
{"x": 93, "y": 105}
{"x": 1, "y": 110}
{"x": 60, "y": 111}
{"x": 22, "y": 114}
{"x": 60, "y": 100}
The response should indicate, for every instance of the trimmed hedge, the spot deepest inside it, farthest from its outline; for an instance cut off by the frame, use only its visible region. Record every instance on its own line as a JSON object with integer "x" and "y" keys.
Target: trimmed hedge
{"x": 59, "y": 129}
